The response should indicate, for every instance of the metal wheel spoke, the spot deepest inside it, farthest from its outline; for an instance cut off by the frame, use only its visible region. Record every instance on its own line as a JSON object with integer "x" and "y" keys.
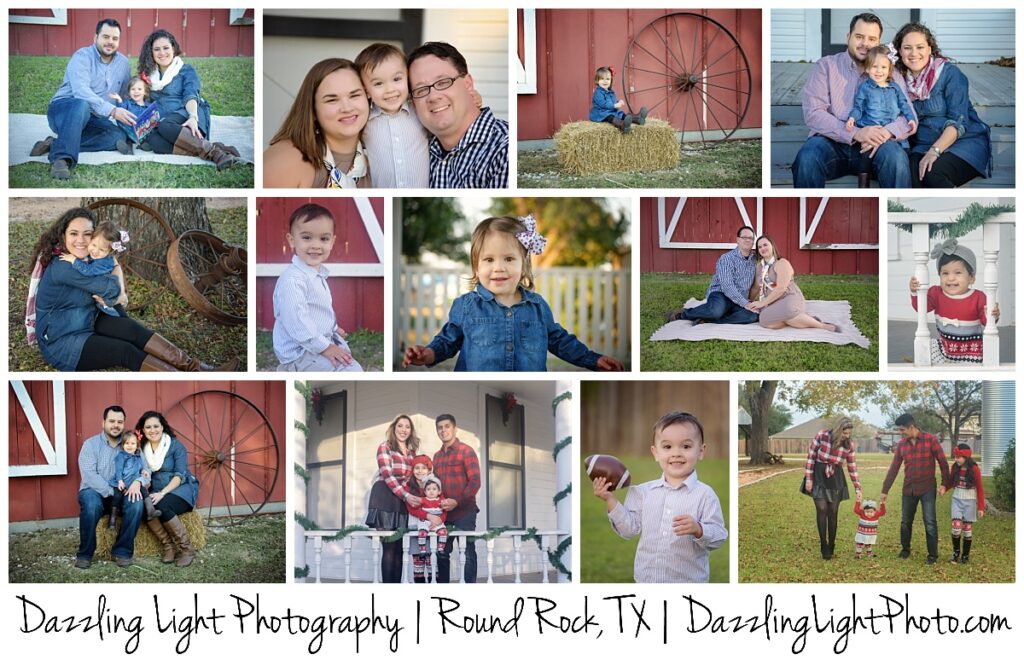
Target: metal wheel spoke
{"x": 668, "y": 49}
{"x": 700, "y": 127}
{"x": 732, "y": 48}
{"x": 248, "y": 435}
{"x": 679, "y": 42}
{"x": 667, "y": 74}
{"x": 723, "y": 87}
{"x": 674, "y": 104}
{"x": 715, "y": 117}
{"x": 253, "y": 450}
{"x": 650, "y": 109}
{"x": 228, "y": 500}
{"x": 707, "y": 47}
{"x": 648, "y": 89}
{"x": 641, "y": 47}
{"x": 738, "y": 115}
{"x": 686, "y": 113}
{"x": 727, "y": 73}
{"x": 210, "y": 445}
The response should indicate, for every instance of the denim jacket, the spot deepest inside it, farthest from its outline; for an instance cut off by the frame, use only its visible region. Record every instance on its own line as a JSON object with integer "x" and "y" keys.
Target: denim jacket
{"x": 183, "y": 88}
{"x": 949, "y": 105}
{"x": 128, "y": 468}
{"x": 874, "y": 105}
{"x": 489, "y": 336}
{"x": 66, "y": 312}
{"x": 603, "y": 105}
{"x": 176, "y": 465}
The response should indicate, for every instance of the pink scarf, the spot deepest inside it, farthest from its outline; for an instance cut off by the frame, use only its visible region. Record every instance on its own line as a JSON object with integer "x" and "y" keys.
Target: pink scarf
{"x": 30, "y": 303}
{"x": 919, "y": 87}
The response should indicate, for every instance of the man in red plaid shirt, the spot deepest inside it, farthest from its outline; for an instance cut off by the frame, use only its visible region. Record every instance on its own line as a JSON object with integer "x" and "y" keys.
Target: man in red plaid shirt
{"x": 920, "y": 451}
{"x": 458, "y": 468}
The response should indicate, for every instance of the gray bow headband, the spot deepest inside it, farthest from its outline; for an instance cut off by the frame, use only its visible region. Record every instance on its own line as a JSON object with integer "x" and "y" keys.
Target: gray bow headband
{"x": 952, "y": 248}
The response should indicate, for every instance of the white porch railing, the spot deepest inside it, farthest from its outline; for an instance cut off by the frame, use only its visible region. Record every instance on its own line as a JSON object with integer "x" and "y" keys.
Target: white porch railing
{"x": 921, "y": 246}
{"x": 549, "y": 541}
{"x": 593, "y": 304}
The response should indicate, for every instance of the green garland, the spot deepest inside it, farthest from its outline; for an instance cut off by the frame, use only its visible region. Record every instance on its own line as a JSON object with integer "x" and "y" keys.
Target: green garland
{"x": 972, "y": 217}
{"x": 301, "y": 472}
{"x": 560, "y": 398}
{"x": 302, "y": 573}
{"x": 562, "y": 494}
{"x": 560, "y": 445}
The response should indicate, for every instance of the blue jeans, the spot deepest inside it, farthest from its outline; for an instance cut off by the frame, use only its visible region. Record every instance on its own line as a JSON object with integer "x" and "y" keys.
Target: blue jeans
{"x": 719, "y": 309}
{"x": 466, "y": 523}
{"x": 79, "y": 130}
{"x": 931, "y": 528}
{"x": 822, "y": 159}
{"x": 93, "y": 508}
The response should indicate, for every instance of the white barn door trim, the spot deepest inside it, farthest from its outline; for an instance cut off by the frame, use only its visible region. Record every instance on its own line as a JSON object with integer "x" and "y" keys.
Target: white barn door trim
{"x": 807, "y": 232}
{"x": 55, "y": 454}
{"x": 526, "y": 80}
{"x": 667, "y": 227}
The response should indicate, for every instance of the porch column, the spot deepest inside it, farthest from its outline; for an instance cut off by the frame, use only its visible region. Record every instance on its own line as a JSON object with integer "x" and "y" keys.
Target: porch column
{"x": 564, "y": 414}
{"x": 298, "y": 406}
{"x": 991, "y": 240}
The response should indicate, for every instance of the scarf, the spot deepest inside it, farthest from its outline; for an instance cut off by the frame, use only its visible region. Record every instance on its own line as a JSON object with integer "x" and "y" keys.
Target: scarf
{"x": 766, "y": 286}
{"x": 158, "y": 81}
{"x": 339, "y": 179}
{"x": 919, "y": 88}
{"x": 155, "y": 459}
{"x": 30, "y": 303}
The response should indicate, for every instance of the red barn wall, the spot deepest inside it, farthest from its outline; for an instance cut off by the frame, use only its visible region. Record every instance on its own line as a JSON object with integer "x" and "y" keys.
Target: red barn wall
{"x": 200, "y": 32}
{"x": 716, "y": 219}
{"x": 358, "y": 301}
{"x": 573, "y": 43}
{"x": 49, "y": 497}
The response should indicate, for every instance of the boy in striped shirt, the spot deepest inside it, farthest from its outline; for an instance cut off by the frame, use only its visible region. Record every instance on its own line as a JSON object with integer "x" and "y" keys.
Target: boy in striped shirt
{"x": 306, "y": 334}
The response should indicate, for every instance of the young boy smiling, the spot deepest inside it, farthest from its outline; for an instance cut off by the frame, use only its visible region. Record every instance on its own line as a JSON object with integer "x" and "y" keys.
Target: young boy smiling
{"x": 306, "y": 334}
{"x": 678, "y": 518}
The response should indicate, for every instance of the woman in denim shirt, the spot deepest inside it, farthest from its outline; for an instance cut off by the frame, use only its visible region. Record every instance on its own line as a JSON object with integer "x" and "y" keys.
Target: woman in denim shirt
{"x": 952, "y": 144}
{"x": 184, "y": 114}
{"x": 503, "y": 325}
{"x": 62, "y": 316}
{"x": 174, "y": 488}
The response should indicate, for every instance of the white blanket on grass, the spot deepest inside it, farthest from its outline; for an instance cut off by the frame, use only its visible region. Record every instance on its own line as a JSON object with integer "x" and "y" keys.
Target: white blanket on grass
{"x": 830, "y": 311}
{"x": 25, "y": 130}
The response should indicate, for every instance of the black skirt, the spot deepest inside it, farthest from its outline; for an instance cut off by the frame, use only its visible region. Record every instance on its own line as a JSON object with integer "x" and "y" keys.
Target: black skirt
{"x": 831, "y": 489}
{"x": 386, "y": 511}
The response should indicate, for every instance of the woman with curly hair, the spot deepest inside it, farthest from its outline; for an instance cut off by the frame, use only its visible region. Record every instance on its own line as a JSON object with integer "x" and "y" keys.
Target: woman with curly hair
{"x": 389, "y": 495}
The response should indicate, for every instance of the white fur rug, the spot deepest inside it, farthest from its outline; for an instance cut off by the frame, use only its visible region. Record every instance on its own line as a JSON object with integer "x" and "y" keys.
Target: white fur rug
{"x": 26, "y": 130}
{"x": 830, "y": 311}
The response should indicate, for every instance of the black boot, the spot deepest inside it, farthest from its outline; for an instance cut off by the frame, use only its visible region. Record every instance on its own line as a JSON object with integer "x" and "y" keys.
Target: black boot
{"x": 623, "y": 124}
{"x": 151, "y": 510}
{"x": 864, "y": 180}
{"x": 113, "y": 518}
{"x": 826, "y": 551}
{"x": 964, "y": 558}
{"x": 640, "y": 118}
{"x": 956, "y": 550}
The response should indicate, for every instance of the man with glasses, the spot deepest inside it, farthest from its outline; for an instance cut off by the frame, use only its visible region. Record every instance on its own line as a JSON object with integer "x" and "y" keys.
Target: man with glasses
{"x": 727, "y": 297}
{"x": 469, "y": 147}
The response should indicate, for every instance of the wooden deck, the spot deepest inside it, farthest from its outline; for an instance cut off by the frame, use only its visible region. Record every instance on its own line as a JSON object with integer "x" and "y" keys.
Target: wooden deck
{"x": 992, "y": 93}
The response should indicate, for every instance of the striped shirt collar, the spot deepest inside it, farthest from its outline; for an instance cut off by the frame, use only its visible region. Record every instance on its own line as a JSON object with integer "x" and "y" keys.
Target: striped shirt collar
{"x": 689, "y": 482}
{"x": 375, "y": 111}
{"x": 321, "y": 271}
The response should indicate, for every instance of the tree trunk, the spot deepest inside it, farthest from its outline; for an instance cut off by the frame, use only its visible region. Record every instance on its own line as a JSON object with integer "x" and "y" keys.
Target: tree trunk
{"x": 149, "y": 237}
{"x": 760, "y": 394}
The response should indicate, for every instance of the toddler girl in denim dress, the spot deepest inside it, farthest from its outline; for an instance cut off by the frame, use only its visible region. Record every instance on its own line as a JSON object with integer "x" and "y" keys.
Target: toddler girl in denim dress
{"x": 503, "y": 325}
{"x": 877, "y": 103}
{"x": 605, "y": 107}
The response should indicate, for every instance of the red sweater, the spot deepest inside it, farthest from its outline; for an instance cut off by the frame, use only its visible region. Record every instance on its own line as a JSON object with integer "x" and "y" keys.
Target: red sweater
{"x": 960, "y": 481}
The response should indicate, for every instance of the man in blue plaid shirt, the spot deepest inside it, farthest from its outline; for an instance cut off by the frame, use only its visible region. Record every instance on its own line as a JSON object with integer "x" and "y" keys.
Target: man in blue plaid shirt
{"x": 728, "y": 296}
{"x": 469, "y": 147}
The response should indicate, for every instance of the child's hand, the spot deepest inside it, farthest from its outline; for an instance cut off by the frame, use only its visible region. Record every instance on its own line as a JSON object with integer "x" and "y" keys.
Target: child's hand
{"x": 337, "y": 355}
{"x": 116, "y": 98}
{"x": 913, "y": 126}
{"x": 849, "y": 124}
{"x": 619, "y": 104}
{"x": 685, "y": 525}
{"x": 419, "y": 356}
{"x": 478, "y": 100}
{"x": 995, "y": 312}
{"x": 981, "y": 513}
{"x": 914, "y": 285}
{"x": 70, "y": 258}
{"x": 338, "y": 330}
{"x": 860, "y": 496}
{"x": 120, "y": 484}
{"x": 606, "y": 363}
{"x": 603, "y": 489}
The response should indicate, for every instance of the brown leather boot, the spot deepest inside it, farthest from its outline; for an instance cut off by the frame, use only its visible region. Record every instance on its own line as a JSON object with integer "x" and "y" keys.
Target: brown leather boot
{"x": 228, "y": 148}
{"x": 190, "y": 145}
{"x": 173, "y": 356}
{"x": 163, "y": 537}
{"x": 155, "y": 364}
{"x": 623, "y": 124}
{"x": 180, "y": 536}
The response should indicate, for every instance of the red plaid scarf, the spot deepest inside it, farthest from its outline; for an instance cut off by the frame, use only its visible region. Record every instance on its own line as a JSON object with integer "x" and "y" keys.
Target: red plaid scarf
{"x": 919, "y": 87}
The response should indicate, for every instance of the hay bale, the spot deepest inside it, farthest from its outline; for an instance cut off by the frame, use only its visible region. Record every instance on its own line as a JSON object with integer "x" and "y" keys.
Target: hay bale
{"x": 146, "y": 544}
{"x": 588, "y": 147}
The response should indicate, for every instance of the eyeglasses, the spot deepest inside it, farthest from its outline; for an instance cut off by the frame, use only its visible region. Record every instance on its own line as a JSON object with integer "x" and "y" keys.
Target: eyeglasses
{"x": 746, "y": 238}
{"x": 440, "y": 85}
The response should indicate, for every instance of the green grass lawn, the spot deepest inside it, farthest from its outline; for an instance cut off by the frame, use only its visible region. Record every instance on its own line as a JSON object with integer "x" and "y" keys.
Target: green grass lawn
{"x": 251, "y": 552}
{"x": 778, "y": 540}
{"x": 606, "y": 557}
{"x": 227, "y": 85}
{"x": 168, "y": 314}
{"x": 661, "y": 291}
{"x": 367, "y": 348}
{"x": 732, "y": 164}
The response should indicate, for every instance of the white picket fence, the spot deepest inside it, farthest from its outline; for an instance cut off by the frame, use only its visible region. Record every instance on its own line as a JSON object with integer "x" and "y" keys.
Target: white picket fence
{"x": 593, "y": 304}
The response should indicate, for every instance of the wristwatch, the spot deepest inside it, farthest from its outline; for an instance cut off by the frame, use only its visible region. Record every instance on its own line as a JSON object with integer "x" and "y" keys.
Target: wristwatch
{"x": 938, "y": 152}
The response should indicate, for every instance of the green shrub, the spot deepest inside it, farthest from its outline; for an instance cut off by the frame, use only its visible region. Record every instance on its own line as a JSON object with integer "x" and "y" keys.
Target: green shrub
{"x": 1005, "y": 476}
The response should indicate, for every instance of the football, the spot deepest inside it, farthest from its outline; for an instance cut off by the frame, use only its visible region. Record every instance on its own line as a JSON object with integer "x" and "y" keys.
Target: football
{"x": 609, "y": 467}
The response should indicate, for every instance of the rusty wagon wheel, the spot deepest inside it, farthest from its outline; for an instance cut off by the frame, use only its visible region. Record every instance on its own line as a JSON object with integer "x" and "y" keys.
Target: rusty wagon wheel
{"x": 233, "y": 452}
{"x": 210, "y": 275}
{"x": 145, "y": 256}
{"x": 690, "y": 70}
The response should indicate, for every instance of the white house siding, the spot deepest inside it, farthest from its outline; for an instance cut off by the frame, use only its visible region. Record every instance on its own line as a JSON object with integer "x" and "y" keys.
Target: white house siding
{"x": 789, "y": 35}
{"x": 901, "y": 258}
{"x": 373, "y": 405}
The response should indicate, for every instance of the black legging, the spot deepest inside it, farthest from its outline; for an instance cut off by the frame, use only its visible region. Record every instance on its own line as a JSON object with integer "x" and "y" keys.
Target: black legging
{"x": 117, "y": 342}
{"x": 948, "y": 171}
{"x": 391, "y": 562}
{"x": 166, "y": 134}
{"x": 171, "y": 505}
{"x": 828, "y": 519}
